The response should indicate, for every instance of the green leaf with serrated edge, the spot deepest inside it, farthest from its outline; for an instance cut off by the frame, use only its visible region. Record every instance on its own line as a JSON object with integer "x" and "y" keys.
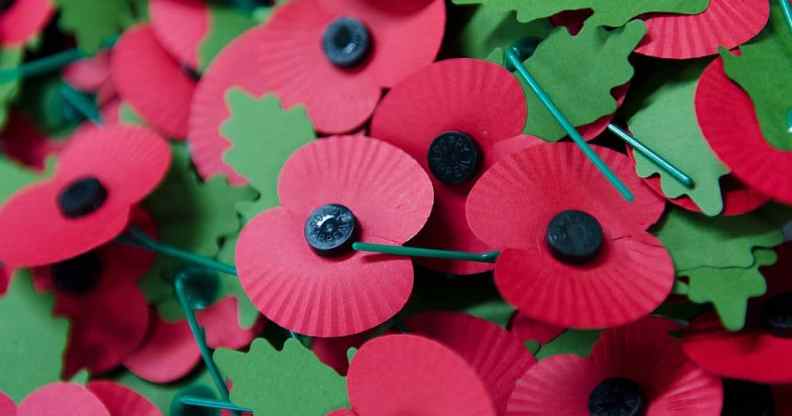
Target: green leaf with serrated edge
{"x": 263, "y": 135}
{"x": 496, "y": 311}
{"x": 572, "y": 341}
{"x": 93, "y": 22}
{"x": 665, "y": 120}
{"x": 225, "y": 24}
{"x": 9, "y": 58}
{"x": 729, "y": 289}
{"x": 578, "y": 73}
{"x": 162, "y": 395}
{"x": 490, "y": 28}
{"x": 695, "y": 240}
{"x": 288, "y": 382}
{"x": 34, "y": 341}
{"x": 606, "y": 12}
{"x": 194, "y": 216}
{"x": 763, "y": 72}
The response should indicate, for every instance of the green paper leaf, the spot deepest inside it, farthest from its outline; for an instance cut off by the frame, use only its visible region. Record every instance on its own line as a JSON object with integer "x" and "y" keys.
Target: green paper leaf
{"x": 34, "y": 341}
{"x": 606, "y": 12}
{"x": 9, "y": 58}
{"x": 15, "y": 176}
{"x": 263, "y": 135}
{"x": 288, "y": 382}
{"x": 729, "y": 289}
{"x": 578, "y": 73}
{"x": 128, "y": 115}
{"x": 225, "y": 24}
{"x": 162, "y": 395}
{"x": 763, "y": 72}
{"x": 666, "y": 122}
{"x": 696, "y": 241}
{"x": 194, "y": 216}
{"x": 490, "y": 28}
{"x": 93, "y": 22}
{"x": 572, "y": 341}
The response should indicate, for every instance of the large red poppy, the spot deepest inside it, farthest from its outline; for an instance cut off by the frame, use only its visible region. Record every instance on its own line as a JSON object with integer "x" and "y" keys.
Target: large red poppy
{"x": 638, "y": 363}
{"x": 528, "y": 329}
{"x": 98, "y": 398}
{"x": 23, "y": 20}
{"x": 180, "y": 25}
{"x": 476, "y": 98}
{"x": 101, "y": 174}
{"x": 757, "y": 353}
{"x": 545, "y": 205}
{"x": 286, "y": 57}
{"x": 390, "y": 198}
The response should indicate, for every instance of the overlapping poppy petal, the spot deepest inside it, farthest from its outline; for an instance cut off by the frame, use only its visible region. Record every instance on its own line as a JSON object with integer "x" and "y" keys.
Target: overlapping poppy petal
{"x": 180, "y": 25}
{"x": 336, "y": 191}
{"x": 528, "y": 329}
{"x": 618, "y": 378}
{"x": 121, "y": 400}
{"x": 22, "y": 140}
{"x": 22, "y": 20}
{"x": 89, "y": 74}
{"x": 101, "y": 174}
{"x": 53, "y": 399}
{"x": 391, "y": 40}
{"x": 568, "y": 240}
{"x": 449, "y": 116}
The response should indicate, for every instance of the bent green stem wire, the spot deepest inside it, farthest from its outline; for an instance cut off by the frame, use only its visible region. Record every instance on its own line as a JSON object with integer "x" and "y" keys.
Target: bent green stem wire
{"x": 512, "y": 58}
{"x": 212, "y": 404}
{"x": 787, "y": 12}
{"x": 82, "y": 104}
{"x": 487, "y": 257}
{"x": 49, "y": 63}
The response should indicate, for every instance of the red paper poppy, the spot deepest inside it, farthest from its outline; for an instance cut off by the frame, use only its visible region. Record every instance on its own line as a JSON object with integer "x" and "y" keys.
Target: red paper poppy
{"x": 285, "y": 57}
{"x": 333, "y": 351}
{"x": 89, "y": 74}
{"x": 23, "y": 20}
{"x": 169, "y": 351}
{"x": 408, "y": 374}
{"x": 498, "y": 357}
{"x": 646, "y": 360}
{"x": 23, "y": 141}
{"x": 152, "y": 81}
{"x": 755, "y": 353}
{"x": 528, "y": 329}
{"x": 626, "y": 274}
{"x": 99, "y": 293}
{"x": 7, "y": 406}
{"x": 126, "y": 162}
{"x": 53, "y": 399}
{"x": 390, "y": 197}
{"x": 727, "y": 119}
{"x": 474, "y": 97}
{"x": 725, "y": 23}
{"x": 121, "y": 400}
{"x": 180, "y": 25}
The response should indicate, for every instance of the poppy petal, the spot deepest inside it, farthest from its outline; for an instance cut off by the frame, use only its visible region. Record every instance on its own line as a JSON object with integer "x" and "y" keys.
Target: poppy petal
{"x": 388, "y": 192}
{"x": 180, "y": 25}
{"x": 498, "y": 357}
{"x": 53, "y": 399}
{"x": 168, "y": 353}
{"x": 728, "y": 121}
{"x": 220, "y": 321}
{"x": 408, "y": 374}
{"x": 528, "y": 329}
{"x": 725, "y": 23}
{"x": 121, "y": 400}
{"x": 333, "y": 351}
{"x": 152, "y": 81}
{"x": 24, "y": 20}
{"x": 90, "y": 73}
{"x": 593, "y": 130}
{"x": 7, "y": 406}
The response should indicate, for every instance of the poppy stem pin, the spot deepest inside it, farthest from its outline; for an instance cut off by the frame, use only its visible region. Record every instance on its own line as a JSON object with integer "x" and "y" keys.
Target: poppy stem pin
{"x": 512, "y": 58}
{"x": 82, "y": 104}
{"x": 787, "y": 12}
{"x": 212, "y": 404}
{"x": 487, "y": 257}
{"x": 49, "y": 63}
{"x": 650, "y": 154}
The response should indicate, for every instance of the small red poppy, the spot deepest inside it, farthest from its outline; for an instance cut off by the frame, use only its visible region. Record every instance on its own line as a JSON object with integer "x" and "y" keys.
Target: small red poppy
{"x": 55, "y": 398}
{"x": 23, "y": 141}
{"x": 23, "y": 20}
{"x": 121, "y": 400}
{"x": 335, "y": 191}
{"x": 98, "y": 291}
{"x": 640, "y": 364}
{"x": 758, "y": 353}
{"x": 169, "y": 351}
{"x": 725, "y": 23}
{"x": 574, "y": 253}
{"x": 498, "y": 357}
{"x": 408, "y": 374}
{"x": 528, "y": 329}
{"x": 449, "y": 116}
{"x": 180, "y": 25}
{"x": 728, "y": 121}
{"x": 152, "y": 81}
{"x": 101, "y": 174}
{"x": 286, "y": 57}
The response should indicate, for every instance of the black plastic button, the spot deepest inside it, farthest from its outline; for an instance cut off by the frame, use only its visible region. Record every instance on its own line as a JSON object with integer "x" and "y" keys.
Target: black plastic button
{"x": 742, "y": 398}
{"x": 82, "y": 197}
{"x": 346, "y": 42}
{"x": 454, "y": 158}
{"x": 574, "y": 236}
{"x": 616, "y": 397}
{"x": 78, "y": 275}
{"x": 777, "y": 315}
{"x": 330, "y": 229}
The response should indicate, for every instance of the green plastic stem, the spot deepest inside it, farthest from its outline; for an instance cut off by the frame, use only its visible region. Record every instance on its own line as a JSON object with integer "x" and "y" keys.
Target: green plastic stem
{"x": 245, "y": 5}
{"x": 650, "y": 154}
{"x": 199, "y": 334}
{"x": 487, "y": 257}
{"x": 212, "y": 404}
{"x": 140, "y": 239}
{"x": 512, "y": 57}
{"x": 787, "y": 12}
{"x": 85, "y": 106}
{"x": 48, "y": 63}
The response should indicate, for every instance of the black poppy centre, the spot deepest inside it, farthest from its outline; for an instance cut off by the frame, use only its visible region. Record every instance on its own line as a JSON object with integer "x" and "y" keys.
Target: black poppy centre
{"x": 574, "y": 237}
{"x": 81, "y": 197}
{"x": 616, "y": 397}
{"x": 777, "y": 315}
{"x": 6, "y": 4}
{"x": 78, "y": 275}
{"x": 454, "y": 158}
{"x": 331, "y": 229}
{"x": 346, "y": 42}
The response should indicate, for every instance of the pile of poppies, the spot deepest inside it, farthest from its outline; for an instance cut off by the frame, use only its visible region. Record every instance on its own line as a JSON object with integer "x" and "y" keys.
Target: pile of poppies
{"x": 371, "y": 207}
